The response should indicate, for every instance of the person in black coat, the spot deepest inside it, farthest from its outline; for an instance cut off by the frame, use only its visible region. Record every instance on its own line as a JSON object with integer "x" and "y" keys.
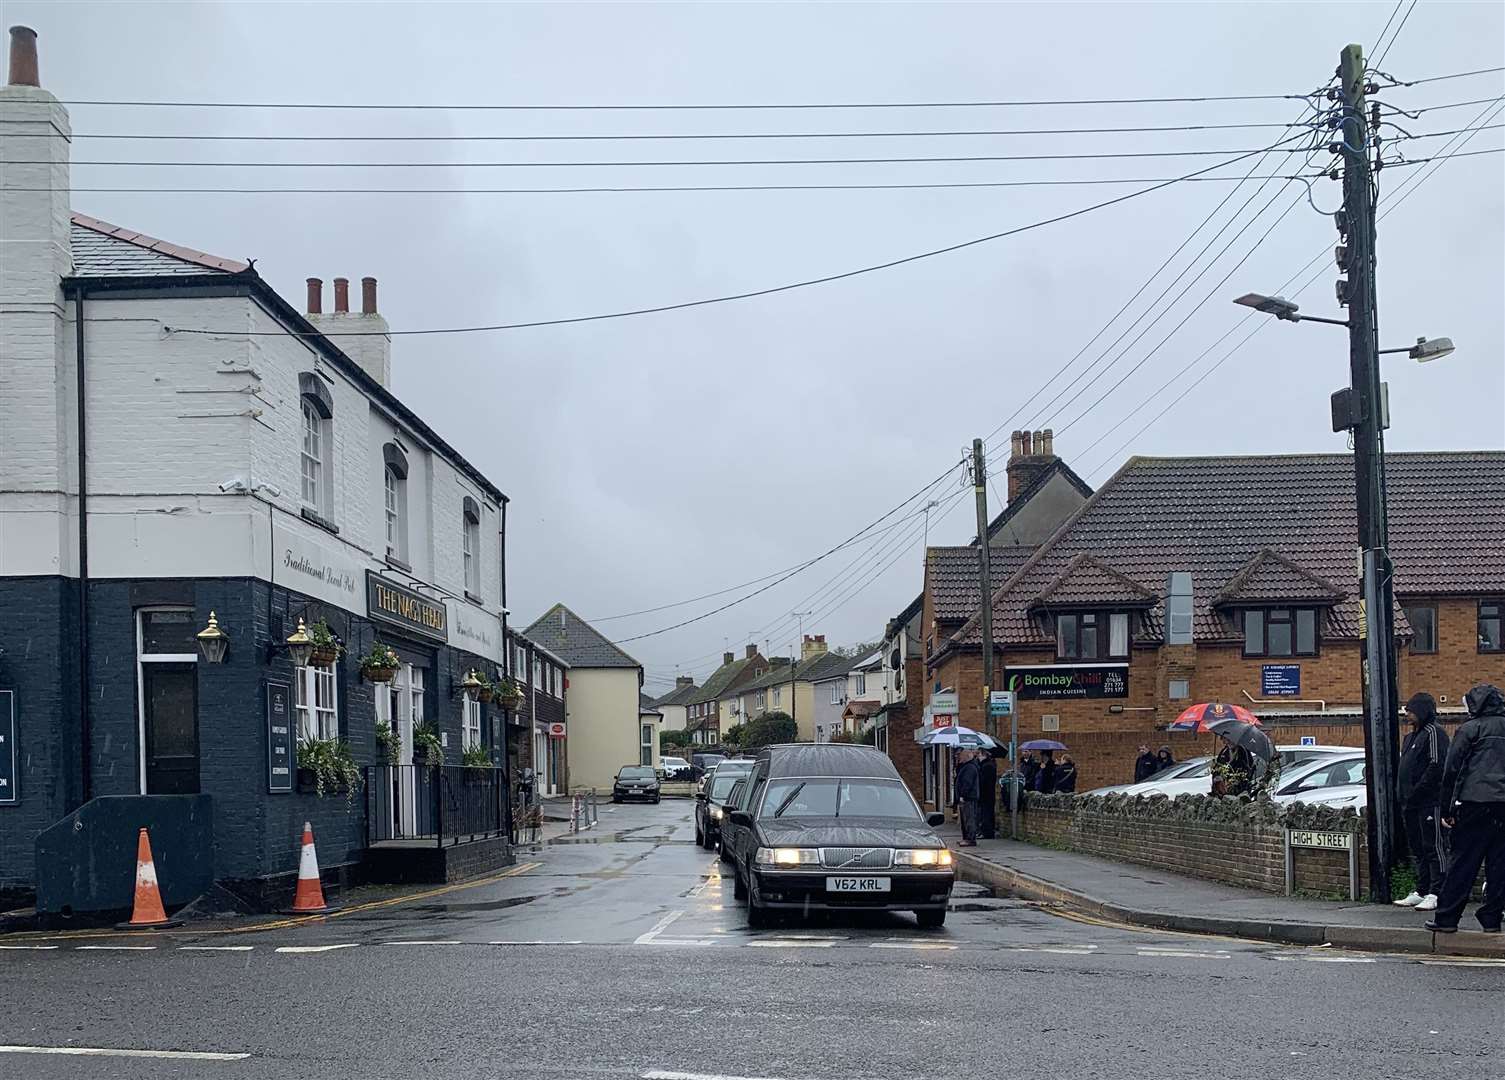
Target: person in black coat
{"x": 1422, "y": 755}
{"x": 987, "y": 795}
{"x": 1473, "y": 807}
{"x": 1145, "y": 765}
{"x": 1165, "y": 759}
{"x": 1066, "y": 776}
{"x": 1045, "y": 780}
{"x": 967, "y": 793}
{"x": 1029, "y": 768}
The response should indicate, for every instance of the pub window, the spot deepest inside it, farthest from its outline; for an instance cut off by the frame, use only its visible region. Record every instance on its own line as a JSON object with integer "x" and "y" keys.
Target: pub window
{"x": 395, "y": 501}
{"x": 470, "y": 732}
{"x": 1492, "y": 625}
{"x": 315, "y": 700}
{"x": 317, "y": 456}
{"x": 470, "y": 545}
{"x": 1092, "y": 635}
{"x": 1423, "y": 620}
{"x": 1280, "y": 632}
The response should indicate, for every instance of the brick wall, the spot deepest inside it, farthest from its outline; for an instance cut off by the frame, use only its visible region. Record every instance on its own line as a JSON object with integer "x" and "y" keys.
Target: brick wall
{"x": 903, "y": 751}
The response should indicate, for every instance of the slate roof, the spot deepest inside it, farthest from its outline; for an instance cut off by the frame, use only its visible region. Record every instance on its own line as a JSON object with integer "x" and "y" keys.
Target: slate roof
{"x": 104, "y": 250}
{"x": 647, "y": 705}
{"x": 1214, "y": 516}
{"x": 1269, "y": 576}
{"x": 827, "y": 667}
{"x": 576, "y": 641}
{"x": 951, "y": 576}
{"x": 824, "y": 666}
{"x": 720, "y": 680}
{"x": 1086, "y": 581}
{"x": 680, "y": 695}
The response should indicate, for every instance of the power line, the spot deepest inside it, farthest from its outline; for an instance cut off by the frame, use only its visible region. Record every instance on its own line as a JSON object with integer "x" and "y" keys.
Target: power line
{"x": 826, "y": 279}
{"x": 1454, "y": 75}
{"x": 1396, "y": 36}
{"x": 1386, "y": 28}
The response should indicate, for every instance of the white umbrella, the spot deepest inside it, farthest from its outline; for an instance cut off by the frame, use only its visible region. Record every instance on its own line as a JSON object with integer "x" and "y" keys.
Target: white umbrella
{"x": 956, "y": 735}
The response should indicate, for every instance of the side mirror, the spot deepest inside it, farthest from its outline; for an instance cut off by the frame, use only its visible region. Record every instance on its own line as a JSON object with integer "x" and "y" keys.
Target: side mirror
{"x": 740, "y": 818}
{"x": 935, "y": 820}
{"x": 700, "y": 796}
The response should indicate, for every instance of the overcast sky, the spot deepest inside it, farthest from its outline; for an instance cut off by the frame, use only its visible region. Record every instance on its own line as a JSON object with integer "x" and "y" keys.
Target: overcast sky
{"x": 657, "y": 458}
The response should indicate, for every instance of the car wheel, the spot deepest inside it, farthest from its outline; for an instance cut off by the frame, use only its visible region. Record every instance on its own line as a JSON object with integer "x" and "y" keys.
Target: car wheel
{"x": 739, "y": 890}
{"x": 757, "y": 915}
{"x": 655, "y": 800}
{"x": 931, "y": 918}
{"x": 615, "y": 799}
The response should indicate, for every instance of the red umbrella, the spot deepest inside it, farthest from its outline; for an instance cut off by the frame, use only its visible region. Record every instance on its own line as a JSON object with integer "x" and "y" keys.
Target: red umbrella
{"x": 1202, "y": 717}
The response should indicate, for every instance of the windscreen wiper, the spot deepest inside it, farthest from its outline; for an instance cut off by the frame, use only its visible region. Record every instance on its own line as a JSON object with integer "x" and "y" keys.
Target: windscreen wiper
{"x": 789, "y": 798}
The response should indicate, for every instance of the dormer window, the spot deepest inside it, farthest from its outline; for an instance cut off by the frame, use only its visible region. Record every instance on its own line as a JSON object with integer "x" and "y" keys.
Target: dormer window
{"x": 1280, "y": 631}
{"x": 1092, "y": 635}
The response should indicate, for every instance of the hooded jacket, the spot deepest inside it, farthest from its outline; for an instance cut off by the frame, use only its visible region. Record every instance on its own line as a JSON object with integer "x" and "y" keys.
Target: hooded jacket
{"x": 1475, "y": 771}
{"x": 1421, "y": 758}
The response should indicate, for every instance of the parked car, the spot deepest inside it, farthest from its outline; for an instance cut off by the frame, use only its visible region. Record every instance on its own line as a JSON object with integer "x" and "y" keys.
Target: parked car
{"x": 1330, "y": 781}
{"x": 831, "y": 827}
{"x": 675, "y": 768}
{"x": 635, "y": 782}
{"x": 1194, "y": 775}
{"x": 706, "y": 762}
{"x": 710, "y": 802}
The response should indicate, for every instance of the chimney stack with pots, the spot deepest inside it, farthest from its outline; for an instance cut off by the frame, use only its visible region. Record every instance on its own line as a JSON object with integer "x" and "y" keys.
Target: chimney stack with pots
{"x": 682, "y": 681}
{"x": 1032, "y": 454}
{"x": 813, "y": 645}
{"x": 24, "y": 70}
{"x": 362, "y": 336}
{"x": 752, "y": 650}
{"x": 727, "y": 658}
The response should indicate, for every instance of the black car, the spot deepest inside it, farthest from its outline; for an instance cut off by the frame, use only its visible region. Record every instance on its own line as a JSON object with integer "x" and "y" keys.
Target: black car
{"x": 710, "y": 800}
{"x": 635, "y": 782}
{"x": 831, "y": 827}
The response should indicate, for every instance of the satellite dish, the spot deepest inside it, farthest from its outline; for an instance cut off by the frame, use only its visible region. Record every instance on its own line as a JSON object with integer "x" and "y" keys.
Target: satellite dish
{"x": 893, "y": 660}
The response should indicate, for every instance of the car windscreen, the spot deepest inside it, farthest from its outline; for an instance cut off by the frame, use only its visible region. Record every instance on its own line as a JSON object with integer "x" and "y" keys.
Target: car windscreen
{"x": 830, "y": 797}
{"x": 721, "y": 785}
{"x": 637, "y": 772}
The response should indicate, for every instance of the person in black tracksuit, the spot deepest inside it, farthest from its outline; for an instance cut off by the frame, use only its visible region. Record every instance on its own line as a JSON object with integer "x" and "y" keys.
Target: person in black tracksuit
{"x": 1420, "y": 781}
{"x": 1473, "y": 806}
{"x": 987, "y": 795}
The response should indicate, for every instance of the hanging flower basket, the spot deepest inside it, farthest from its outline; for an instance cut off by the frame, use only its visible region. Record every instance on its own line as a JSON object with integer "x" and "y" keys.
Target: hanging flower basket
{"x": 380, "y": 664}
{"x": 484, "y": 694}
{"x": 326, "y": 647}
{"x": 378, "y": 674}
{"x": 508, "y": 696}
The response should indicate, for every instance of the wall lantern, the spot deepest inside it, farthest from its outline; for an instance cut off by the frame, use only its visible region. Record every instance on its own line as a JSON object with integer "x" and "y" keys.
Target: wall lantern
{"x": 300, "y": 646}
{"x": 470, "y": 686}
{"x": 213, "y": 642}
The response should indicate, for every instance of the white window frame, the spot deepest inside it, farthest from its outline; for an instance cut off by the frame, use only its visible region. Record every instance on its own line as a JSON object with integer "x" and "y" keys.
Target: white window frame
{"x": 143, "y": 658}
{"x": 315, "y": 439}
{"x": 836, "y": 693}
{"x": 778, "y": 695}
{"x": 470, "y": 725}
{"x": 646, "y": 745}
{"x": 470, "y": 546}
{"x": 316, "y": 702}
{"x": 395, "y": 508}
{"x": 859, "y": 683}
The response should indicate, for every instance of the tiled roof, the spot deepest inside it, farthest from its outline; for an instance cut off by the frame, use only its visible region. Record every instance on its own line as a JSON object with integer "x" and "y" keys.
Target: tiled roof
{"x": 1212, "y": 516}
{"x": 951, "y": 577}
{"x": 827, "y": 666}
{"x": 823, "y": 666}
{"x": 724, "y": 679}
{"x": 646, "y": 704}
{"x": 576, "y": 641}
{"x": 1271, "y": 576}
{"x": 1087, "y": 581}
{"x": 104, "y": 250}
{"x": 681, "y": 695}
{"x": 861, "y": 710}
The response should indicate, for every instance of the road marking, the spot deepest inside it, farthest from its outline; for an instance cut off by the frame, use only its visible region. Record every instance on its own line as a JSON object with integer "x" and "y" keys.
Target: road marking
{"x": 316, "y": 948}
{"x": 1193, "y": 954}
{"x": 420, "y": 943}
{"x": 118, "y": 948}
{"x": 684, "y": 941}
{"x": 28, "y": 948}
{"x": 657, "y": 929}
{"x": 1340, "y": 959}
{"x": 1480, "y": 962}
{"x": 1068, "y": 950}
{"x": 535, "y": 943}
{"x": 666, "y": 1074}
{"x": 940, "y": 945}
{"x": 109, "y": 1051}
{"x": 215, "y": 948}
{"x": 790, "y": 943}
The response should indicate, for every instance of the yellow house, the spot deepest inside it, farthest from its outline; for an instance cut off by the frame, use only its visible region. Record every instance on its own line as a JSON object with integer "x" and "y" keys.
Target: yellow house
{"x": 604, "y": 725}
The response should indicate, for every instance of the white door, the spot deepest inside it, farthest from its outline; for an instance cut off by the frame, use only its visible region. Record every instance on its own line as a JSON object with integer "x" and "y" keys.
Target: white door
{"x": 407, "y": 707}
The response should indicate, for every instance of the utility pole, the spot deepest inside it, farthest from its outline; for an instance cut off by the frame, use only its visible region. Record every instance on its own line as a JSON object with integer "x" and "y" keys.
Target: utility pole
{"x": 980, "y": 490}
{"x": 1377, "y": 625}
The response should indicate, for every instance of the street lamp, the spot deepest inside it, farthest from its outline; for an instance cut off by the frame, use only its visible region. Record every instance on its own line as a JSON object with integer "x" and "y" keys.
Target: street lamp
{"x": 213, "y": 642}
{"x": 1424, "y": 351}
{"x": 470, "y": 686}
{"x": 300, "y": 647}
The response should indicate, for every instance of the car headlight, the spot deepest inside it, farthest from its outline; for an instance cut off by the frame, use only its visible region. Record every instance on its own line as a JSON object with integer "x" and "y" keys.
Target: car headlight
{"x": 922, "y": 857}
{"x": 716, "y": 813}
{"x": 786, "y": 856}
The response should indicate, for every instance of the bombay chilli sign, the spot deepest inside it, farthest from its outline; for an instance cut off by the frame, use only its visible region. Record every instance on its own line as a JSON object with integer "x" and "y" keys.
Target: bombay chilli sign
{"x": 1045, "y": 682}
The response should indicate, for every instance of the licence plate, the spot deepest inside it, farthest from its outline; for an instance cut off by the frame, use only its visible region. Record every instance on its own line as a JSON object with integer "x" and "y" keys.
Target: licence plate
{"x": 857, "y": 884}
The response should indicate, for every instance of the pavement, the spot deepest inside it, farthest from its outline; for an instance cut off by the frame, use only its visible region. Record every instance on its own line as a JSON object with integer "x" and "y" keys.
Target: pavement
{"x": 1142, "y": 896}
{"x": 620, "y": 954}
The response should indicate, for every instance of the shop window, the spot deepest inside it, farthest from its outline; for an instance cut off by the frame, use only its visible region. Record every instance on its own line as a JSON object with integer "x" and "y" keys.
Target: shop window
{"x": 470, "y": 545}
{"x": 1280, "y": 632}
{"x": 1092, "y": 635}
{"x": 1423, "y": 620}
{"x": 470, "y": 730}
{"x": 315, "y": 701}
{"x": 1492, "y": 626}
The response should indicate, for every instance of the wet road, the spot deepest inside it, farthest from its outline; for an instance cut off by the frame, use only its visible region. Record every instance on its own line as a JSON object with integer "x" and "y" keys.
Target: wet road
{"x": 621, "y": 953}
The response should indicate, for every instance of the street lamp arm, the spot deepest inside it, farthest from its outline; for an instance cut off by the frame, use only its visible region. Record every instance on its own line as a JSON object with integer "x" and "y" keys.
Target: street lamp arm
{"x": 1318, "y": 318}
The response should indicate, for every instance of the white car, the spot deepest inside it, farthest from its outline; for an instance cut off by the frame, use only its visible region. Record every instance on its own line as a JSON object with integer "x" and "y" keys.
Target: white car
{"x": 1191, "y": 767}
{"x": 671, "y": 765}
{"x": 1332, "y": 781}
{"x": 1194, "y": 776}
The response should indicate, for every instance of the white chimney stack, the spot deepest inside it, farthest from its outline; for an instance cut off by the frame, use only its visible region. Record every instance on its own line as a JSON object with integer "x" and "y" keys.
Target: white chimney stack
{"x": 364, "y": 335}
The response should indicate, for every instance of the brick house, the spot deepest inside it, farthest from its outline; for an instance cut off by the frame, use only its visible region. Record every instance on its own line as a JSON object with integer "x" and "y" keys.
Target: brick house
{"x": 1267, "y": 546}
{"x": 790, "y": 687}
{"x": 707, "y": 712}
{"x": 538, "y": 724}
{"x": 152, "y": 475}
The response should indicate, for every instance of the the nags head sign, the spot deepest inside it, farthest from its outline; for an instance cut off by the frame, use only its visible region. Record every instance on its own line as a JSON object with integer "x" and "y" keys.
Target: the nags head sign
{"x": 1047, "y": 681}
{"x": 401, "y": 606}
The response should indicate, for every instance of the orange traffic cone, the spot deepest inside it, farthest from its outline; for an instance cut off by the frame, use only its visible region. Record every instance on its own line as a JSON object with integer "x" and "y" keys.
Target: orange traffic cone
{"x": 309, "y": 897}
{"x": 147, "y": 912}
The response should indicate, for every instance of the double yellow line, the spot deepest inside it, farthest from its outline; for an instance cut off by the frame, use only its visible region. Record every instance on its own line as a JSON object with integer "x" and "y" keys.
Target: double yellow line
{"x": 280, "y": 924}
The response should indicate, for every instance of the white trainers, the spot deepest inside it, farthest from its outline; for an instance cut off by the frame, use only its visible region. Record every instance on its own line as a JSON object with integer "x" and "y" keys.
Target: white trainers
{"x": 1428, "y": 903}
{"x": 1410, "y": 901}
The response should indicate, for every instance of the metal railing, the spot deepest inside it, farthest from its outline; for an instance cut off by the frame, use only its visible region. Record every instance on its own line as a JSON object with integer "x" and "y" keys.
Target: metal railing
{"x": 527, "y": 814}
{"x": 583, "y": 812}
{"x": 448, "y": 804}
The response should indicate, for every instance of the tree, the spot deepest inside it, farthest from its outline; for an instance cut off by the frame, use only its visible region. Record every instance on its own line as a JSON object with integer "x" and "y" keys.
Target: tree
{"x": 734, "y": 734}
{"x": 668, "y": 740}
{"x": 862, "y": 648}
{"x": 768, "y": 729}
